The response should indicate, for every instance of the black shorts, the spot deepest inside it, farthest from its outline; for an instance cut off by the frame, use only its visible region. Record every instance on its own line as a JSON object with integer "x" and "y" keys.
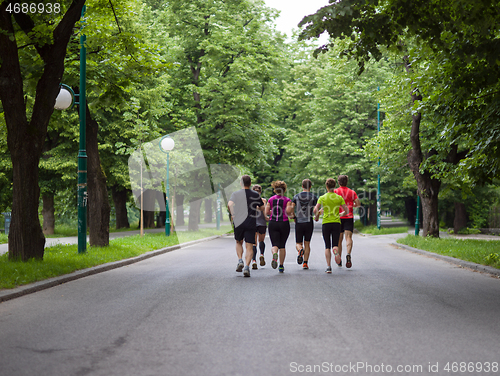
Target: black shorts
{"x": 346, "y": 224}
{"x": 245, "y": 233}
{"x": 303, "y": 231}
{"x": 331, "y": 234}
{"x": 261, "y": 229}
{"x": 279, "y": 232}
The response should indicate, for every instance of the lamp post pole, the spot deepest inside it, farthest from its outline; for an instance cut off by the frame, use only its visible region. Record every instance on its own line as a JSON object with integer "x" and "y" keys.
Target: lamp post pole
{"x": 166, "y": 145}
{"x": 378, "y": 179}
{"x": 218, "y": 206}
{"x": 82, "y": 154}
{"x": 167, "y": 212}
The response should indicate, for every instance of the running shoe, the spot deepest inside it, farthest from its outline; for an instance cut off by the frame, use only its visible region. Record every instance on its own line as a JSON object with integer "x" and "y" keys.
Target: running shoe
{"x": 281, "y": 269}
{"x": 328, "y": 270}
{"x": 254, "y": 264}
{"x": 262, "y": 260}
{"x": 240, "y": 266}
{"x": 348, "y": 262}
{"x": 338, "y": 259}
{"x": 305, "y": 266}
{"x": 300, "y": 257}
{"x": 274, "y": 263}
{"x": 246, "y": 271}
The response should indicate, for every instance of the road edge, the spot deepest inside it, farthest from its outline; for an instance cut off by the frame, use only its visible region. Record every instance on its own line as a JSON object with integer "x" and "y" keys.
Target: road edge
{"x": 452, "y": 260}
{"x": 52, "y": 282}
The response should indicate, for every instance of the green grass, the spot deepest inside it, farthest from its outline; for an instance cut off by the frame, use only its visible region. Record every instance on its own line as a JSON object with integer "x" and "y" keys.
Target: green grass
{"x": 484, "y": 252}
{"x": 64, "y": 259}
{"x": 4, "y": 239}
{"x": 372, "y": 230}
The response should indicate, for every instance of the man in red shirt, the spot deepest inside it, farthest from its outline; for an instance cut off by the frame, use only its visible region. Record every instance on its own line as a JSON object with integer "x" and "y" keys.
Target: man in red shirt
{"x": 346, "y": 222}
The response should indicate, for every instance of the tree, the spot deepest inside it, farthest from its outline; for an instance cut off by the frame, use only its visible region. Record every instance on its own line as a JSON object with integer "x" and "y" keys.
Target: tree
{"x": 459, "y": 34}
{"x": 225, "y": 63}
{"x": 49, "y": 35}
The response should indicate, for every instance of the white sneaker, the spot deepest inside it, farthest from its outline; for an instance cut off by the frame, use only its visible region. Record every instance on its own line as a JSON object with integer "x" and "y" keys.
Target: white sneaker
{"x": 246, "y": 272}
{"x": 240, "y": 265}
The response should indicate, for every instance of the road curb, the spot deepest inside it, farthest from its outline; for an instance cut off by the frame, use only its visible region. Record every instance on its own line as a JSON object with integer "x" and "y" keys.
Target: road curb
{"x": 464, "y": 264}
{"x": 51, "y": 282}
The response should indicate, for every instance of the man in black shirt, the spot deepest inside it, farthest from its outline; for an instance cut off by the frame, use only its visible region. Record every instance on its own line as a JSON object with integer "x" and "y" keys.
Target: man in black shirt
{"x": 243, "y": 206}
{"x": 304, "y": 203}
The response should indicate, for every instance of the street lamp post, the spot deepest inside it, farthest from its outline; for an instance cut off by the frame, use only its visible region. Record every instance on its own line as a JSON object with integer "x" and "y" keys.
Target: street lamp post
{"x": 218, "y": 207}
{"x": 82, "y": 153}
{"x": 64, "y": 100}
{"x": 378, "y": 179}
{"x": 166, "y": 145}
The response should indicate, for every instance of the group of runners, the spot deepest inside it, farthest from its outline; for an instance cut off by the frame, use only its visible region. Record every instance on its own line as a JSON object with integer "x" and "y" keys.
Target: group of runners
{"x": 252, "y": 215}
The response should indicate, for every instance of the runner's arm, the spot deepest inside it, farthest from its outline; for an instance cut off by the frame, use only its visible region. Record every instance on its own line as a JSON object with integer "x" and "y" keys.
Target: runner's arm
{"x": 316, "y": 211}
{"x": 230, "y": 206}
{"x": 357, "y": 203}
{"x": 345, "y": 212}
{"x": 268, "y": 209}
{"x": 289, "y": 209}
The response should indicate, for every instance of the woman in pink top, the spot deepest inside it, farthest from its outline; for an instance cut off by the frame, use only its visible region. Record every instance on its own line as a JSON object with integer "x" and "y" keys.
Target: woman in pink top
{"x": 278, "y": 208}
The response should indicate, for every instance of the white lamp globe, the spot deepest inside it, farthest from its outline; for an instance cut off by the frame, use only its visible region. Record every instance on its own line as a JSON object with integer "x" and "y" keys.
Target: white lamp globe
{"x": 64, "y": 99}
{"x": 167, "y": 144}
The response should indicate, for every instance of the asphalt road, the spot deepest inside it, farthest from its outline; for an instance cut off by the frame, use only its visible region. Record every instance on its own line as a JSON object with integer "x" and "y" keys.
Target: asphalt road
{"x": 188, "y": 312}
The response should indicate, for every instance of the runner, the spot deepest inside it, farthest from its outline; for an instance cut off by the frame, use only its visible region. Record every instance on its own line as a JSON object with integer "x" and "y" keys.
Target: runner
{"x": 304, "y": 203}
{"x": 279, "y": 208}
{"x": 347, "y": 222}
{"x": 260, "y": 235}
{"x": 331, "y": 202}
{"x": 243, "y": 206}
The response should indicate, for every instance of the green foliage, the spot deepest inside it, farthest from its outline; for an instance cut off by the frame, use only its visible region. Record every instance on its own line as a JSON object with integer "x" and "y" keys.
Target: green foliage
{"x": 227, "y": 60}
{"x": 469, "y": 231}
{"x": 478, "y": 251}
{"x": 373, "y": 230}
{"x": 451, "y": 49}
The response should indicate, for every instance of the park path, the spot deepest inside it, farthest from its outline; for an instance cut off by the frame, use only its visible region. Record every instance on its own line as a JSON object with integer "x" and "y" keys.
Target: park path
{"x": 188, "y": 312}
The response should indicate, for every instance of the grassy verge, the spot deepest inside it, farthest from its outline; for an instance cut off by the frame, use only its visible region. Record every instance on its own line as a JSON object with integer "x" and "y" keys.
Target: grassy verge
{"x": 484, "y": 252}
{"x": 64, "y": 259}
{"x": 373, "y": 230}
{"x": 4, "y": 239}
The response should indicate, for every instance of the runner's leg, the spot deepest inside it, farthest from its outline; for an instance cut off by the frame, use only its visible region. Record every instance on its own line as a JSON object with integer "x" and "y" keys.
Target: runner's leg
{"x": 239, "y": 249}
{"x": 248, "y": 253}
{"x": 341, "y": 239}
{"x": 348, "y": 241}
{"x": 307, "y": 250}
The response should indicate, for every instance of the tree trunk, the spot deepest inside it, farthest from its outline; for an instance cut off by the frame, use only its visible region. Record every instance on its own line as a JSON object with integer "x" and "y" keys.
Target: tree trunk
{"x": 120, "y": 198}
{"x": 179, "y": 221}
{"x": 25, "y": 139}
{"x": 460, "y": 221}
{"x": 372, "y": 218}
{"x": 428, "y": 188}
{"x": 149, "y": 216}
{"x": 26, "y": 239}
{"x": 411, "y": 210}
{"x": 208, "y": 210}
{"x": 48, "y": 214}
{"x": 194, "y": 214}
{"x": 98, "y": 202}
